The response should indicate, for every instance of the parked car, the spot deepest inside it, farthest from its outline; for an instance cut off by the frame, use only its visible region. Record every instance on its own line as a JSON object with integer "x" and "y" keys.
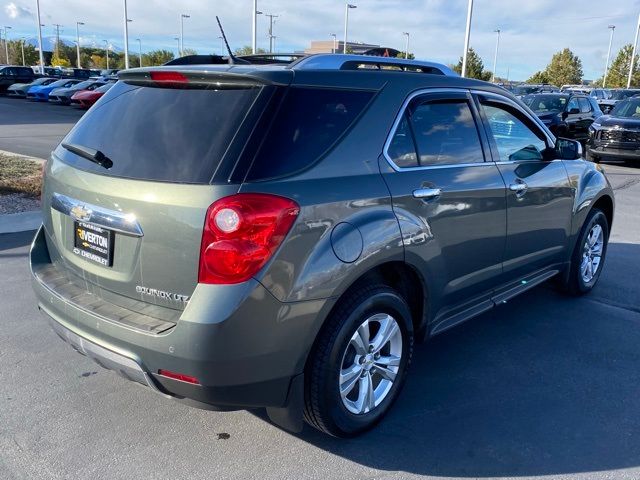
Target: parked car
{"x": 19, "y": 90}
{"x": 63, "y": 95}
{"x": 616, "y": 96}
{"x": 86, "y": 98}
{"x": 41, "y": 93}
{"x": 567, "y": 115}
{"x": 617, "y": 135}
{"x": 528, "y": 89}
{"x": 12, "y": 74}
{"x": 277, "y": 237}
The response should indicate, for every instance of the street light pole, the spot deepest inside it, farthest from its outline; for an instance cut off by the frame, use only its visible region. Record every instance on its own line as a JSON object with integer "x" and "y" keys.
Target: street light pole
{"x": 633, "y": 55}
{"x": 467, "y": 34}
{"x": 254, "y": 26}
{"x": 126, "y": 36}
{"x": 106, "y": 48}
{"x": 606, "y": 67}
{"x": 333, "y": 50}
{"x": 182, "y": 17}
{"x": 40, "y": 38}
{"x": 177, "y": 39}
{"x": 221, "y": 38}
{"x": 347, "y": 7}
{"x": 406, "y": 45}
{"x": 6, "y": 42}
{"x": 22, "y": 45}
{"x": 495, "y": 57}
{"x": 139, "y": 50}
{"x": 78, "y": 42}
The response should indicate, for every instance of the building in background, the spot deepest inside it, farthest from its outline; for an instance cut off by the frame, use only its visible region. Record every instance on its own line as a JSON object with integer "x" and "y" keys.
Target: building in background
{"x": 327, "y": 46}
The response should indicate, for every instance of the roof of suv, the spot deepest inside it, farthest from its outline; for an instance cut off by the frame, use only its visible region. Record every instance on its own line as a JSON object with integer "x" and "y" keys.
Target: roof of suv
{"x": 355, "y": 71}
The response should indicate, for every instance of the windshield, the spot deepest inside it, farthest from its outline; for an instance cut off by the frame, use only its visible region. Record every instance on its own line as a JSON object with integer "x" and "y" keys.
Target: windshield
{"x": 627, "y": 109}
{"x": 545, "y": 103}
{"x": 83, "y": 85}
{"x": 622, "y": 94}
{"x": 525, "y": 90}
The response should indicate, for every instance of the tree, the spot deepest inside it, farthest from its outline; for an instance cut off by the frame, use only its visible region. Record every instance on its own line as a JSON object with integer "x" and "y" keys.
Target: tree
{"x": 411, "y": 56}
{"x": 246, "y": 50}
{"x": 539, "y": 77}
{"x": 59, "y": 61}
{"x": 619, "y": 69}
{"x": 189, "y": 51}
{"x": 565, "y": 68}
{"x": 15, "y": 53}
{"x": 156, "y": 57}
{"x": 475, "y": 66}
{"x": 60, "y": 56}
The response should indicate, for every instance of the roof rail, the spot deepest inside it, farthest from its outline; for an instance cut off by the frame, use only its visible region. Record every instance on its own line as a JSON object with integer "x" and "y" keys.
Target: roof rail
{"x": 333, "y": 61}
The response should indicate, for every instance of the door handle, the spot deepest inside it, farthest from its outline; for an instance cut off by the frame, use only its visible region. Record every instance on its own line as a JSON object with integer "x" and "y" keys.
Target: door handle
{"x": 427, "y": 193}
{"x": 518, "y": 187}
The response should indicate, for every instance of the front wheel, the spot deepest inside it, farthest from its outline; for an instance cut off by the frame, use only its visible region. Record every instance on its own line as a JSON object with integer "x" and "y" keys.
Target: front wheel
{"x": 589, "y": 254}
{"x": 359, "y": 362}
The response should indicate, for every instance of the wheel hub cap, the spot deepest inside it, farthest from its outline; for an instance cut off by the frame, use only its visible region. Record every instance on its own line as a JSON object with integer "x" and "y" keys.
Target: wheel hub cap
{"x": 370, "y": 363}
{"x": 592, "y": 253}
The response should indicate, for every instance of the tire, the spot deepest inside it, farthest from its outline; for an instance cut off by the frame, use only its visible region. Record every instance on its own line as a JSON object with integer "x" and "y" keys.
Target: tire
{"x": 579, "y": 283}
{"x": 336, "y": 351}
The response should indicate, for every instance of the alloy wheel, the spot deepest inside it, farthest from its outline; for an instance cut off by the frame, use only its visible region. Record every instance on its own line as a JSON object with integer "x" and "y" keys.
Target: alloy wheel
{"x": 370, "y": 363}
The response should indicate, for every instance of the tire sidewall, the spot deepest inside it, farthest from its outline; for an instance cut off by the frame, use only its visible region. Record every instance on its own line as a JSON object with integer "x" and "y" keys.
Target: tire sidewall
{"x": 597, "y": 217}
{"x": 381, "y": 302}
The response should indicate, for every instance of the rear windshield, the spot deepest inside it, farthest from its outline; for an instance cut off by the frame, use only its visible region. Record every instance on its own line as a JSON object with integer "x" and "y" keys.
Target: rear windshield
{"x": 161, "y": 134}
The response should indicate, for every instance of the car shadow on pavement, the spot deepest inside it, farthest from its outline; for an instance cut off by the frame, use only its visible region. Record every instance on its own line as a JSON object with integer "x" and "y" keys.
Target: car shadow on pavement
{"x": 9, "y": 241}
{"x": 544, "y": 385}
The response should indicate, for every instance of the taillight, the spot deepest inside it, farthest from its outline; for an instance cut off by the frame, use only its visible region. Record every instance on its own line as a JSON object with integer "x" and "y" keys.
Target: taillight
{"x": 241, "y": 233}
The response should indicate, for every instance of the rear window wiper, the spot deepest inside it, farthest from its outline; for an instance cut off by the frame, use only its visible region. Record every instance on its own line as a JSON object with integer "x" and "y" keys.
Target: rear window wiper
{"x": 95, "y": 156}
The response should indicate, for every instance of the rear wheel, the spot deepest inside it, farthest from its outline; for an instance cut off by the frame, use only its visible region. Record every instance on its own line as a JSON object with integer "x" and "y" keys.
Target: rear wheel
{"x": 359, "y": 362}
{"x": 589, "y": 254}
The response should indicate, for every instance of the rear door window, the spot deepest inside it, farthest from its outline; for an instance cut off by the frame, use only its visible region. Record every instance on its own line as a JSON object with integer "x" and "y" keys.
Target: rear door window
{"x": 308, "y": 124}
{"x": 446, "y": 133}
{"x": 162, "y": 134}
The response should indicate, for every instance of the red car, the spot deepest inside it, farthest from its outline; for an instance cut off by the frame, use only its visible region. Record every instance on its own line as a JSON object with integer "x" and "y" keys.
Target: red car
{"x": 86, "y": 98}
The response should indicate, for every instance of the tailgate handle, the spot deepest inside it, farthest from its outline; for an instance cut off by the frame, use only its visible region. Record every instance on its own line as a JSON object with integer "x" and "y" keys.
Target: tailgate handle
{"x": 85, "y": 212}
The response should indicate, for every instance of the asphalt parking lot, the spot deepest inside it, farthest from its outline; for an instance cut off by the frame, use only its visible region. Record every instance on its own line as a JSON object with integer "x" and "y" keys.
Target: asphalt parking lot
{"x": 545, "y": 385}
{"x": 34, "y": 128}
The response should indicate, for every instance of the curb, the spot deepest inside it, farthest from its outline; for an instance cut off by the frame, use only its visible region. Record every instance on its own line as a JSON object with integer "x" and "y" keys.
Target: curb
{"x": 20, "y": 155}
{"x": 20, "y": 222}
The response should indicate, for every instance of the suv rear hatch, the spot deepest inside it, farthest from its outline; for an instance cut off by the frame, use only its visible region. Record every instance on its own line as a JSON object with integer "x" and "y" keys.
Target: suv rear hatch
{"x": 127, "y": 190}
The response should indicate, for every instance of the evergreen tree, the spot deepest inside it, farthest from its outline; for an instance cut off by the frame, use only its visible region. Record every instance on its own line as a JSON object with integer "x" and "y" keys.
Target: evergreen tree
{"x": 565, "y": 68}
{"x": 475, "y": 66}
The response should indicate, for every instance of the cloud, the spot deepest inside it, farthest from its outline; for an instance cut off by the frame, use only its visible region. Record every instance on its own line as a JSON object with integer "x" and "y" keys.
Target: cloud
{"x": 14, "y": 11}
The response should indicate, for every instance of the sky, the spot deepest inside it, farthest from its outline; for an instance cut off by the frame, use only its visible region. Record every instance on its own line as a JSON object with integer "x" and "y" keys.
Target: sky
{"x": 531, "y": 30}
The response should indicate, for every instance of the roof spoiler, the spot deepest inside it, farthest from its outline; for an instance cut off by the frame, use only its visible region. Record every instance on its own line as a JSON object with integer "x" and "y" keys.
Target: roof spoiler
{"x": 172, "y": 77}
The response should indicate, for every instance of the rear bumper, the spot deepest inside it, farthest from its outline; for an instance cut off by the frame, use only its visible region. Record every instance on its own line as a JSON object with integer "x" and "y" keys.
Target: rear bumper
{"x": 242, "y": 344}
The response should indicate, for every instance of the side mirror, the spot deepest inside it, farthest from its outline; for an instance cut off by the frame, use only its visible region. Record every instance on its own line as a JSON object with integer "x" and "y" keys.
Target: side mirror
{"x": 574, "y": 111}
{"x": 567, "y": 149}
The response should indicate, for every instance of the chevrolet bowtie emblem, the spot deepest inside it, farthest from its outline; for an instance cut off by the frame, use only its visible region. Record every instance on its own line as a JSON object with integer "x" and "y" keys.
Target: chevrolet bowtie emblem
{"x": 80, "y": 212}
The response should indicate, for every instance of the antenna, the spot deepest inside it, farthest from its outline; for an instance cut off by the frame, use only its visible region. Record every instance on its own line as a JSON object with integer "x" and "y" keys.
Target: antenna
{"x": 233, "y": 60}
